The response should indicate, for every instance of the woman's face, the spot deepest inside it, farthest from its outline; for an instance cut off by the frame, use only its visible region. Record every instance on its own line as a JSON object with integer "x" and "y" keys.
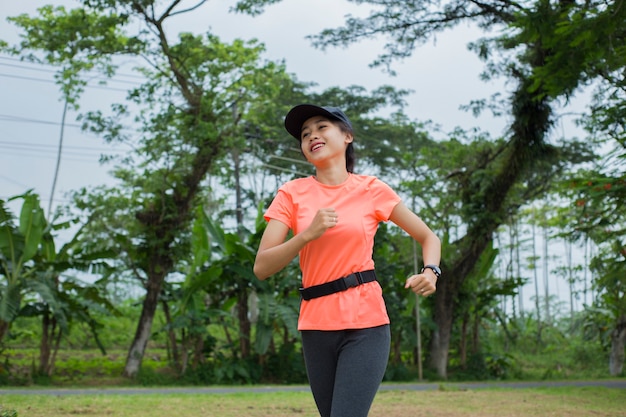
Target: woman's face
{"x": 321, "y": 140}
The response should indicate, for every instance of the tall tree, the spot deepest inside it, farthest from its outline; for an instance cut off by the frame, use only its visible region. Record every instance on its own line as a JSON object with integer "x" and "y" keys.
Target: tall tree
{"x": 184, "y": 123}
{"x": 597, "y": 193}
{"x": 548, "y": 49}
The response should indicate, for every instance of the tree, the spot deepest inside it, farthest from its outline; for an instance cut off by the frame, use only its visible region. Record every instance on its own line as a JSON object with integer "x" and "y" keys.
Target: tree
{"x": 537, "y": 50}
{"x": 597, "y": 212}
{"x": 597, "y": 193}
{"x": 184, "y": 124}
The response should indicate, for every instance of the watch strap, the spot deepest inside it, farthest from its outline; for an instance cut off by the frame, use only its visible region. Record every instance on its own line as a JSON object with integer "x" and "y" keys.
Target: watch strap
{"x": 433, "y": 268}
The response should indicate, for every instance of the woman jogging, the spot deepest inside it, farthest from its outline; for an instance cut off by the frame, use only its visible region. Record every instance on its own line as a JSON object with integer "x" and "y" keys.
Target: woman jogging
{"x": 334, "y": 216}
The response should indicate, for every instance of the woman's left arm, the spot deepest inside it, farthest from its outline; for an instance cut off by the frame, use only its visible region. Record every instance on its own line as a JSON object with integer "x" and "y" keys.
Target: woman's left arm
{"x": 424, "y": 283}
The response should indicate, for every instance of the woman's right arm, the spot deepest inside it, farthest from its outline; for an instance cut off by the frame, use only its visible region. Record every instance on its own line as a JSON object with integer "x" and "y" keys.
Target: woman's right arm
{"x": 274, "y": 252}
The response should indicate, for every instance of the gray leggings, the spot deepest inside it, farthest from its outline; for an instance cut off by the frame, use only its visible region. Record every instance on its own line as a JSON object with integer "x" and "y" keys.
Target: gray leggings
{"x": 345, "y": 368}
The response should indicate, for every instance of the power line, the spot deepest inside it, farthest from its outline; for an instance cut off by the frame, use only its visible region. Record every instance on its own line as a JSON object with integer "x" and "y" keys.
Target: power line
{"x": 52, "y": 82}
{"x": 54, "y": 72}
{"x": 49, "y": 156}
{"x": 117, "y": 74}
{"x": 9, "y": 118}
{"x": 11, "y": 180}
{"x": 36, "y": 146}
{"x": 19, "y": 119}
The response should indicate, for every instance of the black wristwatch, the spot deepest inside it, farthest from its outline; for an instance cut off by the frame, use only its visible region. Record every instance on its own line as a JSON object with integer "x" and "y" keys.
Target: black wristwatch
{"x": 433, "y": 268}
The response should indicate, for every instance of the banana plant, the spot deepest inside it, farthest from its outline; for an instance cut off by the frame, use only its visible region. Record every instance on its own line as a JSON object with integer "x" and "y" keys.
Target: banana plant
{"x": 59, "y": 298}
{"x": 34, "y": 280}
{"x": 19, "y": 243}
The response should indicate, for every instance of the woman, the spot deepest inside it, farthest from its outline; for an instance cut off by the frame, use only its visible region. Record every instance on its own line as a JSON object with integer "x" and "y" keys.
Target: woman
{"x": 334, "y": 216}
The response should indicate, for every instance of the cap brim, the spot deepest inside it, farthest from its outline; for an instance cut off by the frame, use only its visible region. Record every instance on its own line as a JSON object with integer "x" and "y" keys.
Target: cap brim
{"x": 300, "y": 114}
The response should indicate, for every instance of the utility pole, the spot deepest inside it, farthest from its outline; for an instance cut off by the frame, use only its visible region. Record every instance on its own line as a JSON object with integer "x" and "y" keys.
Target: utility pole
{"x": 418, "y": 323}
{"x": 56, "y": 170}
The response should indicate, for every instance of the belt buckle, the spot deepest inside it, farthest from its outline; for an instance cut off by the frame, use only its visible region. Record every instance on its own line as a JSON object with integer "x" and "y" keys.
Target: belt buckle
{"x": 351, "y": 281}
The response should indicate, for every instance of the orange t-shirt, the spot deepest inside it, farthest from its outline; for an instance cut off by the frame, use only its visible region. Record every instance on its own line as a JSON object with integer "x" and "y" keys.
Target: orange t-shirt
{"x": 361, "y": 203}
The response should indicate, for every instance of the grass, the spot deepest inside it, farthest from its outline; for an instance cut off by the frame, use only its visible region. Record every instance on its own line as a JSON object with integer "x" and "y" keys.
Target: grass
{"x": 545, "y": 401}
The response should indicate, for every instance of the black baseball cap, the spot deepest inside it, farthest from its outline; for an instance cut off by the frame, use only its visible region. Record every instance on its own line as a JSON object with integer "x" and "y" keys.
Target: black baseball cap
{"x": 302, "y": 112}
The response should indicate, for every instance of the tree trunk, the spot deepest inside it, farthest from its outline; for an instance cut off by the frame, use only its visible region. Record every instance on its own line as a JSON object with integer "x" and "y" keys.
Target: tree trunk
{"x": 244, "y": 324}
{"x": 144, "y": 327}
{"x": 518, "y": 264}
{"x": 536, "y": 277}
{"x": 546, "y": 274}
{"x": 45, "y": 345}
{"x": 618, "y": 343}
{"x": 171, "y": 334}
{"x": 198, "y": 351}
{"x": 463, "y": 343}
{"x": 476, "y": 333}
{"x": 396, "y": 348}
{"x": 4, "y": 328}
{"x": 49, "y": 346}
{"x": 443, "y": 317}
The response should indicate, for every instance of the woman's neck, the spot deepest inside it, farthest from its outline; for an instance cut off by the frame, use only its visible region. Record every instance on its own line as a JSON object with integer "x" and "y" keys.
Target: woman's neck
{"x": 331, "y": 175}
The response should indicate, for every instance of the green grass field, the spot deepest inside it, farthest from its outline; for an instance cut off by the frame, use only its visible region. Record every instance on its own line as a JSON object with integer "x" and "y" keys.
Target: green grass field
{"x": 517, "y": 402}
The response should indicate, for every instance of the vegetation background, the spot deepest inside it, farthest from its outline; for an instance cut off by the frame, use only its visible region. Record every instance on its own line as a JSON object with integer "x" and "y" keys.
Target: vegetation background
{"x": 148, "y": 280}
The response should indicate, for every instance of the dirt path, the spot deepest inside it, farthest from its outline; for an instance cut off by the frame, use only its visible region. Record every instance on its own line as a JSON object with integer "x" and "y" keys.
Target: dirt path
{"x": 613, "y": 383}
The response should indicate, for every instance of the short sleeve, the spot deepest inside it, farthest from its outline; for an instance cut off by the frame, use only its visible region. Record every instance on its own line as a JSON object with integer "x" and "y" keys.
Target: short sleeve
{"x": 385, "y": 199}
{"x": 281, "y": 208}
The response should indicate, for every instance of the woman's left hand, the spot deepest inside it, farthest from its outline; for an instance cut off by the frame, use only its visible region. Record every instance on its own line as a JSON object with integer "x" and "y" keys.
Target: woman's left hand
{"x": 422, "y": 284}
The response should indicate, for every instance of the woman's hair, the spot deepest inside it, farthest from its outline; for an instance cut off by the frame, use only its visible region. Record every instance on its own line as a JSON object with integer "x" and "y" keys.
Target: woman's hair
{"x": 350, "y": 157}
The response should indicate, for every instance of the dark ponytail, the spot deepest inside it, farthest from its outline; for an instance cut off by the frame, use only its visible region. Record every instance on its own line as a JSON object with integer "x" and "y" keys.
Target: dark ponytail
{"x": 350, "y": 156}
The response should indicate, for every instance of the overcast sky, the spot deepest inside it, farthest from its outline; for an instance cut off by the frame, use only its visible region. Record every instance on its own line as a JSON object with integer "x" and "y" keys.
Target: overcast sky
{"x": 442, "y": 74}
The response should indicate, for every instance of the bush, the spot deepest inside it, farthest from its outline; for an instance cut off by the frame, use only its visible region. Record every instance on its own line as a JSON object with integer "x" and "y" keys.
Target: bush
{"x": 400, "y": 373}
{"x": 285, "y": 366}
{"x": 149, "y": 377}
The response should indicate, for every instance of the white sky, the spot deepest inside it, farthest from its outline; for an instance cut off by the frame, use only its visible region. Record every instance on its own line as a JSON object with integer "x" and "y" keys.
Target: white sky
{"x": 443, "y": 75}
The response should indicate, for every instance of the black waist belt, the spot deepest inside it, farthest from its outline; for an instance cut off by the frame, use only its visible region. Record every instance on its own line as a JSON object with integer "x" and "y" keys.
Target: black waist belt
{"x": 353, "y": 280}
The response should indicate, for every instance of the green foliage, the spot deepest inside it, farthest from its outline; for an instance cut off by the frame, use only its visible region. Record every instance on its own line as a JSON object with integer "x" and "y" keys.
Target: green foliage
{"x": 74, "y": 47}
{"x": 33, "y": 274}
{"x": 400, "y": 372}
{"x": 284, "y": 366}
{"x": 482, "y": 367}
{"x": 18, "y": 245}
{"x": 582, "y": 39}
{"x": 253, "y": 7}
{"x": 541, "y": 351}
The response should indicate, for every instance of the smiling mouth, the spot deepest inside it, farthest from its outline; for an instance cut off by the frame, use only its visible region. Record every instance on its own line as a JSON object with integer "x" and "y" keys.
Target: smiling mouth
{"x": 316, "y": 147}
